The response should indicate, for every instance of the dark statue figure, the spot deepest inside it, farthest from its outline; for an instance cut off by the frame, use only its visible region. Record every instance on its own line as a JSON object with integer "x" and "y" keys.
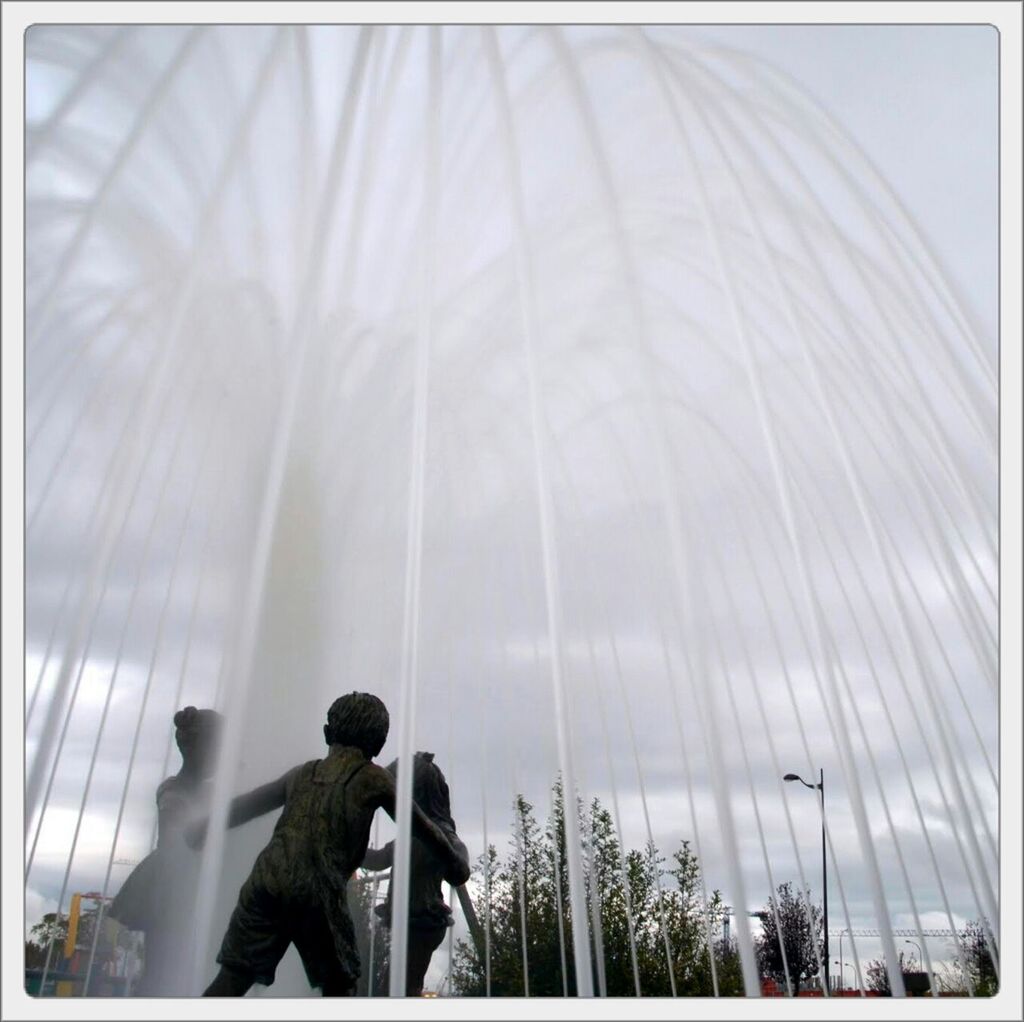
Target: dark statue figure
{"x": 429, "y": 916}
{"x": 296, "y": 892}
{"x": 158, "y": 896}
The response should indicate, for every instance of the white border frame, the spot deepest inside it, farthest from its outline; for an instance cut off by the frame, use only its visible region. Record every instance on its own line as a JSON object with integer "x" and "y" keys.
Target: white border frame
{"x": 1004, "y": 15}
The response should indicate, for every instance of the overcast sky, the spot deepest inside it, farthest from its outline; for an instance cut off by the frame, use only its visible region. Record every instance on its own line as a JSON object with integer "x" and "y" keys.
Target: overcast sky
{"x": 766, "y": 426}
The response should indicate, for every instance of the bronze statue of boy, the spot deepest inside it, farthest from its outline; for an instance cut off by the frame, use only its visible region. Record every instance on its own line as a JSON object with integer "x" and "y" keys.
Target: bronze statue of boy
{"x": 296, "y": 892}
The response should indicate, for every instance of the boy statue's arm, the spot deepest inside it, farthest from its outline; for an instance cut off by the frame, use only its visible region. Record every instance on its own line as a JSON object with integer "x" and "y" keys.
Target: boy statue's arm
{"x": 246, "y": 807}
{"x": 379, "y": 858}
{"x": 454, "y": 856}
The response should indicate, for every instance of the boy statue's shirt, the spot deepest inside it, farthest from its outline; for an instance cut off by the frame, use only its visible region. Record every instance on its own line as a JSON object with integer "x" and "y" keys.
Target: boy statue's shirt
{"x": 325, "y": 825}
{"x": 316, "y": 845}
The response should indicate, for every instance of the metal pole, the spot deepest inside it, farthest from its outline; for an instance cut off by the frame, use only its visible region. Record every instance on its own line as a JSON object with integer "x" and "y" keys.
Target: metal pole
{"x": 825, "y": 964}
{"x": 824, "y": 873}
{"x": 475, "y": 930}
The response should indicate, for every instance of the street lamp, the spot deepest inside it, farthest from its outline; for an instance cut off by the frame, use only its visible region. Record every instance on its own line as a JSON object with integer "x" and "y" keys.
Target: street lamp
{"x": 920, "y": 957}
{"x": 842, "y": 933}
{"x": 843, "y": 974}
{"x": 820, "y": 786}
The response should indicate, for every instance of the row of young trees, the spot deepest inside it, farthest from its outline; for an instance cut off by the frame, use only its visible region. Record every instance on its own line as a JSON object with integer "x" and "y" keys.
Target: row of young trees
{"x": 657, "y": 933}
{"x": 653, "y": 928}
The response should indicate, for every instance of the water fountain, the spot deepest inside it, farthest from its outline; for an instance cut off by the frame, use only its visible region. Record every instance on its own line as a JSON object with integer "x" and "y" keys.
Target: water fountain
{"x": 584, "y": 393}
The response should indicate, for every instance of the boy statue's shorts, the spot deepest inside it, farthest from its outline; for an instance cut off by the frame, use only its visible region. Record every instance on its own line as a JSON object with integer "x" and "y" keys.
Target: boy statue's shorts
{"x": 264, "y": 923}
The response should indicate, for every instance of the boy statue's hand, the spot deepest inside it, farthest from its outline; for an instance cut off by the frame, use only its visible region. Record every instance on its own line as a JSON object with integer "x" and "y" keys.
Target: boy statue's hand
{"x": 458, "y": 870}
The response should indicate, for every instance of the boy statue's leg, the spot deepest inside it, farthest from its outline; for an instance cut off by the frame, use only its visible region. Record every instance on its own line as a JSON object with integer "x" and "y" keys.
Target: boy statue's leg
{"x": 423, "y": 942}
{"x": 334, "y": 974}
{"x": 229, "y": 983}
{"x": 338, "y": 987}
{"x": 255, "y": 941}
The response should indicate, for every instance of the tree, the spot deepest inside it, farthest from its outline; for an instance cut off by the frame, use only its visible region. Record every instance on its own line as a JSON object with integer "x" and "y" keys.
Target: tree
{"x": 50, "y": 929}
{"x": 980, "y": 965}
{"x": 729, "y": 968}
{"x": 693, "y": 922}
{"x": 649, "y": 917}
{"x": 980, "y": 969}
{"x": 800, "y": 925}
{"x": 876, "y": 975}
{"x": 529, "y": 883}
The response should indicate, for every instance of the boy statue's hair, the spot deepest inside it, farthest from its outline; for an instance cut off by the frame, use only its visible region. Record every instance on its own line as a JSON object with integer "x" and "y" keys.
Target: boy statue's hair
{"x": 360, "y": 720}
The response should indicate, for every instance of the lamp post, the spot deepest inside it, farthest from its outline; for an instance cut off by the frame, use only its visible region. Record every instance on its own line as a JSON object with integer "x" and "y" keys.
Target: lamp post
{"x": 843, "y": 975}
{"x": 820, "y": 786}
{"x": 920, "y": 957}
